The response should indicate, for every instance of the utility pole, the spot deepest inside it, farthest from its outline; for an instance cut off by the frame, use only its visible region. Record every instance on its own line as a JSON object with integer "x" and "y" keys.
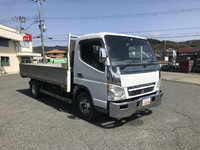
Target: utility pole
{"x": 41, "y": 27}
{"x": 165, "y": 47}
{"x": 21, "y": 20}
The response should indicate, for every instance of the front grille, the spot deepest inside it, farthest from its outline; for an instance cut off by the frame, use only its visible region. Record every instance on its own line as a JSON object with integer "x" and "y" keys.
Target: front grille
{"x": 141, "y": 85}
{"x": 143, "y": 88}
{"x": 140, "y": 91}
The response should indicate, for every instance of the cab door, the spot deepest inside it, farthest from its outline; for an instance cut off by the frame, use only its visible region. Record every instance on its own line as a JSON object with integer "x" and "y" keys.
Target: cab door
{"x": 89, "y": 72}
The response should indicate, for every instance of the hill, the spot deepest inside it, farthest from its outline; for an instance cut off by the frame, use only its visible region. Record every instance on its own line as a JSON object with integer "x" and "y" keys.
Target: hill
{"x": 38, "y": 49}
{"x": 156, "y": 45}
{"x": 161, "y": 45}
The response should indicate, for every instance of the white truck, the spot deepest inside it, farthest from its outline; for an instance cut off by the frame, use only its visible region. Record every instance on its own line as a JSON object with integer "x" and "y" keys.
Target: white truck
{"x": 110, "y": 73}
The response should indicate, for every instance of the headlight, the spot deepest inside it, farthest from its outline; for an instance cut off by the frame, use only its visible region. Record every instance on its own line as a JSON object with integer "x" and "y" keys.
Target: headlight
{"x": 158, "y": 85}
{"x": 115, "y": 93}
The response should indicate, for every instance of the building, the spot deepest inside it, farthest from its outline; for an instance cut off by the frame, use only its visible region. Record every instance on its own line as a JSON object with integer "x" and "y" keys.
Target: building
{"x": 56, "y": 54}
{"x": 15, "y": 47}
{"x": 170, "y": 52}
{"x": 188, "y": 51}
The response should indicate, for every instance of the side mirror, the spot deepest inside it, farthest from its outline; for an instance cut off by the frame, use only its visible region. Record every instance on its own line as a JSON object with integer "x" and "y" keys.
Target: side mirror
{"x": 102, "y": 55}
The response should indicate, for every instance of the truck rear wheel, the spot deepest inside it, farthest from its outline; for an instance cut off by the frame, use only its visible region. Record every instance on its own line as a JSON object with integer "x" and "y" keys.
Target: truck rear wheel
{"x": 85, "y": 107}
{"x": 35, "y": 89}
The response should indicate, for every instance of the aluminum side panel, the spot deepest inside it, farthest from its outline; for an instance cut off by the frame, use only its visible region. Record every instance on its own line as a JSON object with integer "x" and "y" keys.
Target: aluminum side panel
{"x": 50, "y": 73}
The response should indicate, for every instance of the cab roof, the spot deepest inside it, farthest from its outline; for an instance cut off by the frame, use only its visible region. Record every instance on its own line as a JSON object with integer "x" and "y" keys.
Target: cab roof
{"x": 102, "y": 34}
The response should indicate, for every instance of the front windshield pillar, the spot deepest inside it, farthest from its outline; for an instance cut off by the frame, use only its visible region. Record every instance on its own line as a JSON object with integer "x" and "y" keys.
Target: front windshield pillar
{"x": 141, "y": 52}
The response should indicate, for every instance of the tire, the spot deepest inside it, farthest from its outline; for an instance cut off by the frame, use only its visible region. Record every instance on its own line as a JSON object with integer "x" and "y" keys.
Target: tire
{"x": 85, "y": 107}
{"x": 34, "y": 88}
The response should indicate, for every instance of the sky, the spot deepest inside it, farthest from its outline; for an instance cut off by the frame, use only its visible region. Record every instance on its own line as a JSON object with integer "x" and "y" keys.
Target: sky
{"x": 174, "y": 20}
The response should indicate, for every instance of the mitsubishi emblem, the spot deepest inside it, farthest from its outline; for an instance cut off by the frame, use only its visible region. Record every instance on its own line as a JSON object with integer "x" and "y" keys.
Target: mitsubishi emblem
{"x": 142, "y": 91}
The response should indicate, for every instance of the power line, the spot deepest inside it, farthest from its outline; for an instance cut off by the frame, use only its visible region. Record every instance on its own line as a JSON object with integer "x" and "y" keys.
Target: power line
{"x": 114, "y": 2}
{"x": 158, "y": 37}
{"x": 30, "y": 25}
{"x": 13, "y": 19}
{"x": 126, "y": 15}
{"x": 172, "y": 29}
{"x": 7, "y": 20}
{"x": 172, "y": 35}
{"x": 14, "y": 3}
{"x": 113, "y": 16}
{"x": 180, "y": 36}
{"x": 129, "y": 32}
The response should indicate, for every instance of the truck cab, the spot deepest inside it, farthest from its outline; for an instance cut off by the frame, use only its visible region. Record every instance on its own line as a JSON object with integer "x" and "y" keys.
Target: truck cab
{"x": 117, "y": 73}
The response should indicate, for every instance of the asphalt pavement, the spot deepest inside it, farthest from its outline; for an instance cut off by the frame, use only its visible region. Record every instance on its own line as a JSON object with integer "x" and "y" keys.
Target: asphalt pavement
{"x": 50, "y": 124}
{"x": 192, "y": 78}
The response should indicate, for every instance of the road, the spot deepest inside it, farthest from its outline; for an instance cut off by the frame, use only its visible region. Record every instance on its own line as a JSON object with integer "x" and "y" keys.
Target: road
{"x": 29, "y": 124}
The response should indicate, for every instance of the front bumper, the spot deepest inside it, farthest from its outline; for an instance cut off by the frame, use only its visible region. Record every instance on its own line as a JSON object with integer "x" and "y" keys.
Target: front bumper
{"x": 126, "y": 109}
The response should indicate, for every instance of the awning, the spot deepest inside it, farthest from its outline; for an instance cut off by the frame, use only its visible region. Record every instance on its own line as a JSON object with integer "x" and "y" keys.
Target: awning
{"x": 21, "y": 54}
{"x": 9, "y": 33}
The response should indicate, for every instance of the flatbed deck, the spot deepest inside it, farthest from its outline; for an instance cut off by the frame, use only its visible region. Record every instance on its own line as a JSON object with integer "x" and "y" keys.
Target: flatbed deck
{"x": 52, "y": 73}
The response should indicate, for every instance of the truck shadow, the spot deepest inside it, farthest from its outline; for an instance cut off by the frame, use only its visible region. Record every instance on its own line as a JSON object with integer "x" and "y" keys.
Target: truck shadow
{"x": 102, "y": 120}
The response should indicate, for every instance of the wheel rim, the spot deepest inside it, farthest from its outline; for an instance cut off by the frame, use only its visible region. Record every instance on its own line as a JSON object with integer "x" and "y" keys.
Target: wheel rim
{"x": 85, "y": 106}
{"x": 34, "y": 89}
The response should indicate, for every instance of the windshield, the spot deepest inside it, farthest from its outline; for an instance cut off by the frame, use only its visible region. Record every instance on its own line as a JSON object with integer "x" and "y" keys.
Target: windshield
{"x": 129, "y": 51}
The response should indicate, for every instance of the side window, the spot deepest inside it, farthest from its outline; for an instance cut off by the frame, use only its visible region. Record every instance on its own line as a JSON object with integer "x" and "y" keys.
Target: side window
{"x": 4, "y": 42}
{"x": 25, "y": 60}
{"x": 25, "y": 44}
{"x": 5, "y": 61}
{"x": 89, "y": 51}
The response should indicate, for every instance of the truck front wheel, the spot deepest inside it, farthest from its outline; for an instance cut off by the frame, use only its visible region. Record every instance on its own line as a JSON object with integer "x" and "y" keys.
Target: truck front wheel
{"x": 85, "y": 107}
{"x": 35, "y": 89}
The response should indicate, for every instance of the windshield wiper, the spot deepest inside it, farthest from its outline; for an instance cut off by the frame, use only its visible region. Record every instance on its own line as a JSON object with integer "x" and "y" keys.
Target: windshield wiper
{"x": 143, "y": 64}
{"x": 151, "y": 62}
{"x": 124, "y": 66}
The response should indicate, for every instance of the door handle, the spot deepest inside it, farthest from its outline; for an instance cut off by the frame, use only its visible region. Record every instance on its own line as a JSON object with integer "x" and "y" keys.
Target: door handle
{"x": 80, "y": 75}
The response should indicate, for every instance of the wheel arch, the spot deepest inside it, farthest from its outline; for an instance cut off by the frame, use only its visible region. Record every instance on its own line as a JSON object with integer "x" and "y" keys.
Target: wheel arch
{"x": 77, "y": 90}
{"x": 34, "y": 80}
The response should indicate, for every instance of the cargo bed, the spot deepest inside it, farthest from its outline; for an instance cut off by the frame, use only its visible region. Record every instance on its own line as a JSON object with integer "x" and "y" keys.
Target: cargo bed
{"x": 52, "y": 73}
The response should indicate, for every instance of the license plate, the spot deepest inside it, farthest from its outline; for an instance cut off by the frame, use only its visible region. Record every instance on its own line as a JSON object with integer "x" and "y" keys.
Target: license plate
{"x": 146, "y": 101}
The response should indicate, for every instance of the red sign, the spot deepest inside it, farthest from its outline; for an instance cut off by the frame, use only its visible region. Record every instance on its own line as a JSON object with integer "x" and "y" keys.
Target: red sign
{"x": 27, "y": 37}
